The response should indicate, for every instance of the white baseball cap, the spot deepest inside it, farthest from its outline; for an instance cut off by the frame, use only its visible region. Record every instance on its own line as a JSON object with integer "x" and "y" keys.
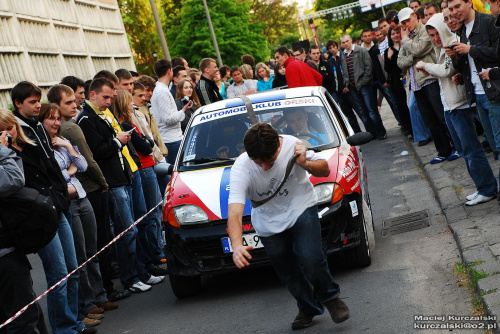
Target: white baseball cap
{"x": 404, "y": 14}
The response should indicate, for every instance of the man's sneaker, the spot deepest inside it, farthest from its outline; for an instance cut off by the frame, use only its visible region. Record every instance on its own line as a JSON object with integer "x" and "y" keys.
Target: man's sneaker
{"x": 90, "y": 322}
{"x": 453, "y": 156}
{"x": 155, "y": 280}
{"x": 338, "y": 310}
{"x": 471, "y": 196}
{"x": 115, "y": 295}
{"x": 302, "y": 320}
{"x": 108, "y": 306}
{"x": 158, "y": 271}
{"x": 139, "y": 287}
{"x": 95, "y": 316}
{"x": 437, "y": 160}
{"x": 382, "y": 137}
{"x": 96, "y": 310}
{"x": 424, "y": 142}
{"x": 478, "y": 199}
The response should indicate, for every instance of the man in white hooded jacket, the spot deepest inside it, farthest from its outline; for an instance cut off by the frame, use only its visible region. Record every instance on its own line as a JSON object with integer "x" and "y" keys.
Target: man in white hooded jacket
{"x": 459, "y": 115}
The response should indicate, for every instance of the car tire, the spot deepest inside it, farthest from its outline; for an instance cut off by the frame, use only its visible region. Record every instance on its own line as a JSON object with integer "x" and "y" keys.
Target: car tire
{"x": 185, "y": 286}
{"x": 360, "y": 256}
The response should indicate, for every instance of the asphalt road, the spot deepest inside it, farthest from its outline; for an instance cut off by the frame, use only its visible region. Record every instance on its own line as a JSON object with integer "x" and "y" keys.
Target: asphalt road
{"x": 411, "y": 273}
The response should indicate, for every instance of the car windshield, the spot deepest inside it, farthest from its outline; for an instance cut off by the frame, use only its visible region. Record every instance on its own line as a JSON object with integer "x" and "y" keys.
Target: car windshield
{"x": 217, "y": 137}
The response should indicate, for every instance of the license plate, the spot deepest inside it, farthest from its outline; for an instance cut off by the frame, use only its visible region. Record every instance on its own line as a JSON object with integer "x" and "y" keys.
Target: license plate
{"x": 251, "y": 239}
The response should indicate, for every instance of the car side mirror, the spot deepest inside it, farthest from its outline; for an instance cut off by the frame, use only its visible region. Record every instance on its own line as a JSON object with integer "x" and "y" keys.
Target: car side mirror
{"x": 359, "y": 138}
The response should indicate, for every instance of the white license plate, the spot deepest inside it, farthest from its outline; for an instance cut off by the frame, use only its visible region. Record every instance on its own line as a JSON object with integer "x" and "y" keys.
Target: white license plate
{"x": 251, "y": 239}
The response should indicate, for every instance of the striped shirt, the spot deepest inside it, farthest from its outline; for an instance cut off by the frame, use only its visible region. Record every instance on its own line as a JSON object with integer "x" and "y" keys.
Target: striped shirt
{"x": 349, "y": 57}
{"x": 64, "y": 159}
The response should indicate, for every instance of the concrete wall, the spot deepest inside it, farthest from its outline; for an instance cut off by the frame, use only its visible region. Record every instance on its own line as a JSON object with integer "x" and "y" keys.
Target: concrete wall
{"x": 44, "y": 40}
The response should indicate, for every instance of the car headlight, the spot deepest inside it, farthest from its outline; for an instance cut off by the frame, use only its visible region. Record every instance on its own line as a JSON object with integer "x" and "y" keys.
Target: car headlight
{"x": 328, "y": 193}
{"x": 190, "y": 214}
{"x": 324, "y": 192}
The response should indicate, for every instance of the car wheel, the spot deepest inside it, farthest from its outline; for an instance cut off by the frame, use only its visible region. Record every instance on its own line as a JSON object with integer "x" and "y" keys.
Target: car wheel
{"x": 360, "y": 256}
{"x": 185, "y": 286}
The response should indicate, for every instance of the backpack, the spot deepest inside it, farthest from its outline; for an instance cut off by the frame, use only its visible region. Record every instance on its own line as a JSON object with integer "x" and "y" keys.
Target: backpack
{"x": 30, "y": 219}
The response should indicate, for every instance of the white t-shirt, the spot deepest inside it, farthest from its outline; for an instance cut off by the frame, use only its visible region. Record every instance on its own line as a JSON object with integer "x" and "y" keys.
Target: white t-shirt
{"x": 249, "y": 181}
{"x": 474, "y": 77}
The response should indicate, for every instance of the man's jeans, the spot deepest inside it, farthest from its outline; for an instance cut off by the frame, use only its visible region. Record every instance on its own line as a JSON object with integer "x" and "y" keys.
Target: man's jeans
{"x": 420, "y": 131}
{"x": 429, "y": 103}
{"x": 84, "y": 229}
{"x": 58, "y": 259}
{"x": 152, "y": 197}
{"x": 346, "y": 107}
{"x": 120, "y": 210}
{"x": 173, "y": 148}
{"x": 365, "y": 104}
{"x": 388, "y": 96}
{"x": 299, "y": 261}
{"x": 489, "y": 114}
{"x": 463, "y": 132}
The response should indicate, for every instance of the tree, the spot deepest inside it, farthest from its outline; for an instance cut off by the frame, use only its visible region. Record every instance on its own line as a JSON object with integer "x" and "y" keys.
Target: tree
{"x": 237, "y": 32}
{"x": 352, "y": 25}
{"x": 141, "y": 32}
{"x": 280, "y": 19}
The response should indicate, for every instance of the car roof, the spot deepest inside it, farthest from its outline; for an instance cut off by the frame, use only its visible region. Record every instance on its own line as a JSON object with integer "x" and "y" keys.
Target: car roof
{"x": 267, "y": 96}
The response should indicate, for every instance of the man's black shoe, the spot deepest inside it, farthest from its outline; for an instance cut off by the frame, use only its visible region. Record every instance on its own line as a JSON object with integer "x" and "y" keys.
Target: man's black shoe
{"x": 88, "y": 330}
{"x": 158, "y": 271}
{"x": 424, "y": 142}
{"x": 338, "y": 310}
{"x": 302, "y": 320}
{"x": 115, "y": 295}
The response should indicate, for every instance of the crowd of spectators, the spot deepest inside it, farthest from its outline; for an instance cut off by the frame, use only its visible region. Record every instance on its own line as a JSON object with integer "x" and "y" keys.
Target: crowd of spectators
{"x": 103, "y": 150}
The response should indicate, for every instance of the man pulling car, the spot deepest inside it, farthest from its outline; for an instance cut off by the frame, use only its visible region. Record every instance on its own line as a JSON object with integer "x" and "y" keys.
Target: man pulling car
{"x": 288, "y": 223}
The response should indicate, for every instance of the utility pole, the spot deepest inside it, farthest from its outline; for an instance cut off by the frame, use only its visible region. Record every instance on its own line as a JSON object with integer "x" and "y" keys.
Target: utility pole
{"x": 159, "y": 29}
{"x": 214, "y": 40}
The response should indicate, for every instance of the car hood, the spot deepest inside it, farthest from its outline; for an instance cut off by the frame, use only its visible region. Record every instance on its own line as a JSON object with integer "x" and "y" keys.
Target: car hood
{"x": 209, "y": 188}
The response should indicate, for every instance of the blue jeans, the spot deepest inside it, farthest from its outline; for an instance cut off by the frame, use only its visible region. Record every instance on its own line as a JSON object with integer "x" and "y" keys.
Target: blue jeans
{"x": 489, "y": 114}
{"x": 365, "y": 104}
{"x": 173, "y": 148}
{"x": 84, "y": 229}
{"x": 152, "y": 197}
{"x": 299, "y": 261}
{"x": 463, "y": 133}
{"x": 388, "y": 96}
{"x": 58, "y": 259}
{"x": 120, "y": 210}
{"x": 420, "y": 131}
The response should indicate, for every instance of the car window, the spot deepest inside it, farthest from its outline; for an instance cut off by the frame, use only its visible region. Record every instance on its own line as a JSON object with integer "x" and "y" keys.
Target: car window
{"x": 217, "y": 137}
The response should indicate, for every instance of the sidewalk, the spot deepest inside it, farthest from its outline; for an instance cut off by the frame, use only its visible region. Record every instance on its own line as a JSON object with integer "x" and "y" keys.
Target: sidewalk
{"x": 476, "y": 229}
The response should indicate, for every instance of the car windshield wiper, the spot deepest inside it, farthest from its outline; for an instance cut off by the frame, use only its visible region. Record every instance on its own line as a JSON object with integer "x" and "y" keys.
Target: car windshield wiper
{"x": 206, "y": 160}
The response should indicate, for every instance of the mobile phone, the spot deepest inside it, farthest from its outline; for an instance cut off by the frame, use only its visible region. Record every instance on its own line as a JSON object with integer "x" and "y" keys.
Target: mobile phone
{"x": 9, "y": 137}
{"x": 185, "y": 99}
{"x": 450, "y": 47}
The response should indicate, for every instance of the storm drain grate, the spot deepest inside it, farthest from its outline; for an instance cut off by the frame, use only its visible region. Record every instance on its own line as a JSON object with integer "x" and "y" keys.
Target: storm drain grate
{"x": 406, "y": 223}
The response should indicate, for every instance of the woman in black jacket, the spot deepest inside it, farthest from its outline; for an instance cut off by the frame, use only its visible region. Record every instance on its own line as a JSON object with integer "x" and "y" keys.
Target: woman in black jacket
{"x": 185, "y": 92}
{"x": 395, "y": 79}
{"x": 279, "y": 76}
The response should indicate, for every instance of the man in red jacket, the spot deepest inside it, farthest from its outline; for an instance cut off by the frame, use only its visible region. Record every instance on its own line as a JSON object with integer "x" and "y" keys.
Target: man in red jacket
{"x": 298, "y": 74}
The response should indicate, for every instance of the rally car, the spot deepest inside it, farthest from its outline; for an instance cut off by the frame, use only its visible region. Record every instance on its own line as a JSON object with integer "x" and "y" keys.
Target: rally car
{"x": 196, "y": 199}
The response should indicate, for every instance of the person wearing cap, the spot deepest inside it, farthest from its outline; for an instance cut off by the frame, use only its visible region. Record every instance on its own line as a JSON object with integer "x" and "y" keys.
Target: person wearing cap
{"x": 416, "y": 46}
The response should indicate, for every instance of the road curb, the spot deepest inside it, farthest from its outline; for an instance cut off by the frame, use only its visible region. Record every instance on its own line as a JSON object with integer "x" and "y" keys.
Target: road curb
{"x": 472, "y": 246}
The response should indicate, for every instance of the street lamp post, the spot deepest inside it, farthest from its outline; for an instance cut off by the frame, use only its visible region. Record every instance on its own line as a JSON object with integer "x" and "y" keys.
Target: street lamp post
{"x": 160, "y": 30}
{"x": 214, "y": 40}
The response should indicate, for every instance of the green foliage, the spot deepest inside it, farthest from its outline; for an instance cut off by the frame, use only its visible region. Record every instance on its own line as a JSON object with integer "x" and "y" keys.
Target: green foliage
{"x": 237, "y": 32}
{"x": 352, "y": 25}
{"x": 280, "y": 19}
{"x": 141, "y": 32}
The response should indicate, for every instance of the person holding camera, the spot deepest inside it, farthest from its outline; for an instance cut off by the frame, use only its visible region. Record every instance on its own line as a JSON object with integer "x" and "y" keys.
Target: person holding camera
{"x": 185, "y": 94}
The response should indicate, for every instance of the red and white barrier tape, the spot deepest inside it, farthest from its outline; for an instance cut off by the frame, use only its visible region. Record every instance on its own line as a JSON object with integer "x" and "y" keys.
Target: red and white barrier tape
{"x": 21, "y": 311}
